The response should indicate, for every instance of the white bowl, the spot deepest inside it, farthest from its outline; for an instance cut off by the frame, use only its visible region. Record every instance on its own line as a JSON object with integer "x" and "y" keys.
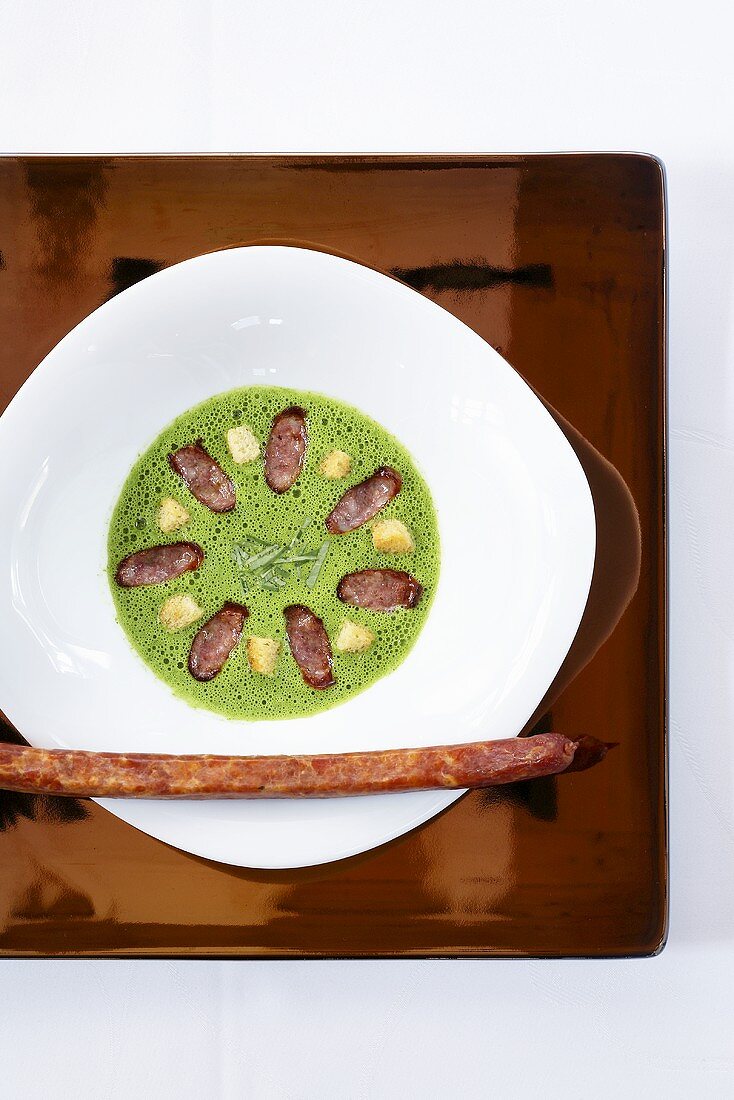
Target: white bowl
{"x": 514, "y": 507}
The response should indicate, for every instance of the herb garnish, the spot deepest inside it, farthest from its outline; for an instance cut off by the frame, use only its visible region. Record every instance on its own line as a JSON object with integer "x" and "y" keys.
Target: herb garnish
{"x": 270, "y": 565}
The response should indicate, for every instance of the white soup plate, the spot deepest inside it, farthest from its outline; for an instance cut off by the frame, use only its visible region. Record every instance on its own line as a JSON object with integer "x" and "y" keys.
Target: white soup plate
{"x": 515, "y": 513}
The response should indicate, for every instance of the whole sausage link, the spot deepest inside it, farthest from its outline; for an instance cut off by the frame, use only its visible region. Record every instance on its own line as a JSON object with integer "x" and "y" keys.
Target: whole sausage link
{"x": 139, "y": 775}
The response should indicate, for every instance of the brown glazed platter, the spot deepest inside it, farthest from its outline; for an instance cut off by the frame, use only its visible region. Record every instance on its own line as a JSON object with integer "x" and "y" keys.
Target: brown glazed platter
{"x": 556, "y": 261}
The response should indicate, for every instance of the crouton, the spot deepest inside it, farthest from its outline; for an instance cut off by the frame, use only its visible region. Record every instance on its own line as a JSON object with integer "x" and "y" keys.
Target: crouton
{"x": 171, "y": 515}
{"x": 353, "y": 638}
{"x": 391, "y": 536}
{"x": 335, "y": 465}
{"x": 179, "y": 611}
{"x": 262, "y": 654}
{"x": 242, "y": 444}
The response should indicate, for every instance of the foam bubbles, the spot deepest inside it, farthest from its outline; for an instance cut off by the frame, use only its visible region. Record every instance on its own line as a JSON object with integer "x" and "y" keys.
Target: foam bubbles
{"x": 238, "y": 692}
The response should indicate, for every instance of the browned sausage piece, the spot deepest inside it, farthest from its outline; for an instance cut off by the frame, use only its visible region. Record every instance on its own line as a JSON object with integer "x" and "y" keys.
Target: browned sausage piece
{"x": 204, "y": 477}
{"x": 215, "y": 640}
{"x": 286, "y": 449}
{"x": 140, "y": 775}
{"x": 158, "y": 564}
{"x": 379, "y": 589}
{"x": 309, "y": 645}
{"x": 364, "y": 501}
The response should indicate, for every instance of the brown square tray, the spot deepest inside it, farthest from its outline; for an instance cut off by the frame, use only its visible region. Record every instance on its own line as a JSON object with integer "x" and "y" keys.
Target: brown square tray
{"x": 558, "y": 261}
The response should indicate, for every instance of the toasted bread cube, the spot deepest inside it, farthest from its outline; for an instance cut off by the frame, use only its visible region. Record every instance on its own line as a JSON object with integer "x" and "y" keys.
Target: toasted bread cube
{"x": 171, "y": 515}
{"x": 335, "y": 465}
{"x": 391, "y": 536}
{"x": 262, "y": 653}
{"x": 179, "y": 611}
{"x": 353, "y": 638}
{"x": 242, "y": 444}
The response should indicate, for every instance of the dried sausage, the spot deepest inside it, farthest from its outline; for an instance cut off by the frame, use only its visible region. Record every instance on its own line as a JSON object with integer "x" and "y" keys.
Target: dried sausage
{"x": 215, "y": 640}
{"x": 140, "y": 775}
{"x": 204, "y": 477}
{"x": 158, "y": 564}
{"x": 310, "y": 646}
{"x": 363, "y": 501}
{"x": 379, "y": 589}
{"x": 286, "y": 449}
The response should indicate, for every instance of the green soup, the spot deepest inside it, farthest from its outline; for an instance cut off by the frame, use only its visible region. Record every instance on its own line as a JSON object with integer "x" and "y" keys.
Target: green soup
{"x": 228, "y": 541}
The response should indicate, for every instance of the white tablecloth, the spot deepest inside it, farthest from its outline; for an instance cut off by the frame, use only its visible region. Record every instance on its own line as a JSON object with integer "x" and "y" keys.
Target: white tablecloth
{"x": 432, "y": 75}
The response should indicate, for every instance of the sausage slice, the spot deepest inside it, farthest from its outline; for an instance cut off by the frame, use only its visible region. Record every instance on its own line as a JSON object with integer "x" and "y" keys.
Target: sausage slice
{"x": 204, "y": 477}
{"x": 379, "y": 589}
{"x": 363, "y": 501}
{"x": 215, "y": 640}
{"x": 158, "y": 564}
{"x": 309, "y": 645}
{"x": 286, "y": 449}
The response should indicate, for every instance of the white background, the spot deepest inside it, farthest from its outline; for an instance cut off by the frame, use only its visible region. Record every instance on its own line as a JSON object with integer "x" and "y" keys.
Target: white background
{"x": 429, "y": 76}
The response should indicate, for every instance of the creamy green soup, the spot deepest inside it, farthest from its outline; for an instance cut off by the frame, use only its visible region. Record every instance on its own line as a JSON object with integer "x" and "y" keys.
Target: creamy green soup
{"x": 261, "y": 519}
